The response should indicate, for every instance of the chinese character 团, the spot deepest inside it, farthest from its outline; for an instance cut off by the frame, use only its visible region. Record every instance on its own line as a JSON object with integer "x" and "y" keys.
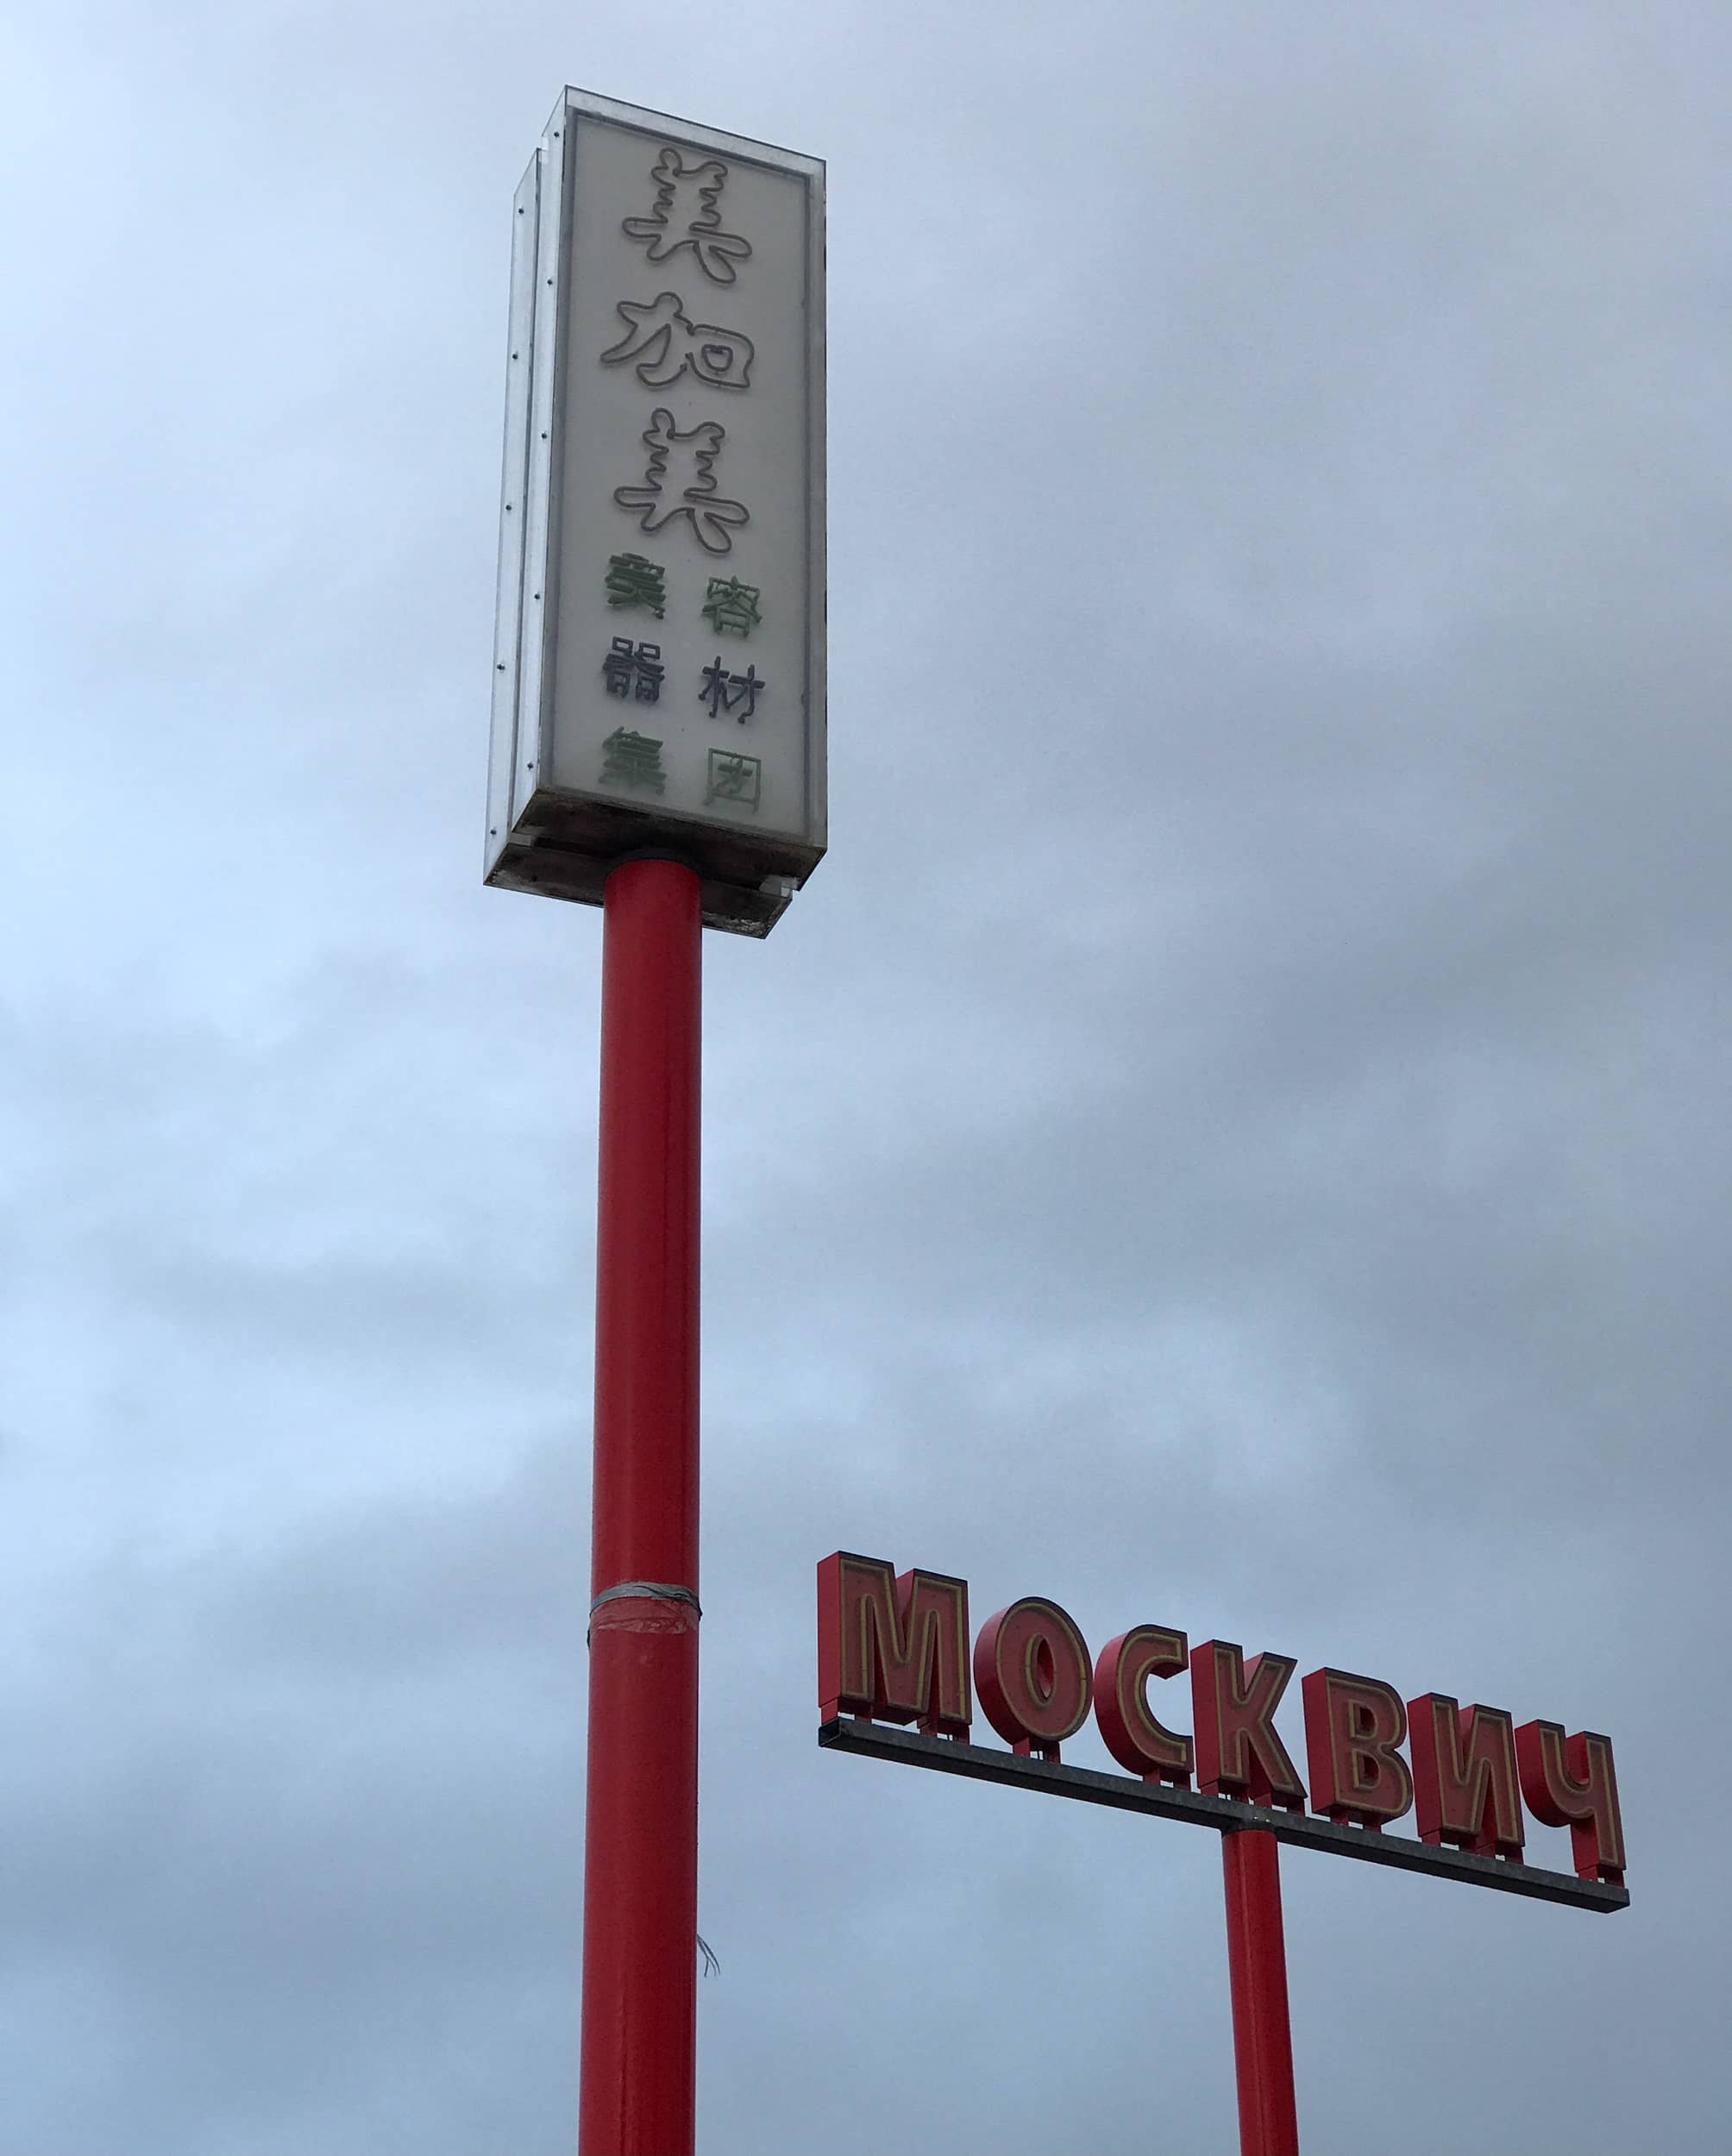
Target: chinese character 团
{"x": 689, "y": 489}
{"x": 722, "y": 691}
{"x": 632, "y": 581}
{"x": 732, "y": 608}
{"x": 666, "y": 344}
{"x": 685, "y": 216}
{"x": 634, "y": 670}
{"x": 632, "y": 760}
{"x": 734, "y": 779}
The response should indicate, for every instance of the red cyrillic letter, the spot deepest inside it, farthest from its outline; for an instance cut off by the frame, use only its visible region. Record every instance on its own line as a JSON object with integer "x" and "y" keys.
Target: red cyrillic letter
{"x": 1353, "y": 1726}
{"x": 1232, "y": 1704}
{"x": 1133, "y": 1735}
{"x": 1569, "y": 1780}
{"x": 1031, "y": 1667}
{"x": 893, "y": 1648}
{"x": 1464, "y": 1776}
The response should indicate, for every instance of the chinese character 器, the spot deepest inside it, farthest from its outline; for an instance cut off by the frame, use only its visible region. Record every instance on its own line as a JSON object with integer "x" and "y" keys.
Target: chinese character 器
{"x": 685, "y": 216}
{"x": 725, "y": 691}
{"x": 688, "y": 489}
{"x": 666, "y": 344}
{"x": 732, "y": 608}
{"x": 634, "y": 670}
{"x": 632, "y": 760}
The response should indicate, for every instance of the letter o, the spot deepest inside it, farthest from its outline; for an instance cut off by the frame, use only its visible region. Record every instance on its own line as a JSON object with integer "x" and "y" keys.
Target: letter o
{"x": 1031, "y": 1669}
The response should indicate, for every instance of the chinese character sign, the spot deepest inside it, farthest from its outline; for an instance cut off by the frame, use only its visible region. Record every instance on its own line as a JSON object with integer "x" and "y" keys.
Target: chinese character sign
{"x": 660, "y": 658}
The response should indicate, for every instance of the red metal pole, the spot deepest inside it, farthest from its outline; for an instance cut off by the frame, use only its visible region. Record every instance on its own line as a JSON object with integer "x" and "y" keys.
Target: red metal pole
{"x": 1256, "y": 1967}
{"x": 640, "y": 1874}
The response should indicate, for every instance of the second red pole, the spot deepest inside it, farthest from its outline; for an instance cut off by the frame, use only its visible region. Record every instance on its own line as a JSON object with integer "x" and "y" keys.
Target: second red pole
{"x": 637, "y": 2096}
{"x": 1256, "y": 1970}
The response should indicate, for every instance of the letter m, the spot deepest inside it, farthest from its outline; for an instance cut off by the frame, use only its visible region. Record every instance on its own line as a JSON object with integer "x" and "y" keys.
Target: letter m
{"x": 895, "y": 1649}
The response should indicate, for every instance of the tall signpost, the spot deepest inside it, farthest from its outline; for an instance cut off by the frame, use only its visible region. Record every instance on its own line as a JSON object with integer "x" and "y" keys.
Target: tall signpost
{"x": 657, "y": 749}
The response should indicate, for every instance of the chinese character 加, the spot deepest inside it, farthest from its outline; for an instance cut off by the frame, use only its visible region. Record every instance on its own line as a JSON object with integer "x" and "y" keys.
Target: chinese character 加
{"x": 685, "y": 216}
{"x": 689, "y": 489}
{"x": 666, "y": 344}
{"x": 634, "y": 670}
{"x": 731, "y": 607}
{"x": 632, "y": 581}
{"x": 734, "y": 779}
{"x": 632, "y": 760}
{"x": 722, "y": 691}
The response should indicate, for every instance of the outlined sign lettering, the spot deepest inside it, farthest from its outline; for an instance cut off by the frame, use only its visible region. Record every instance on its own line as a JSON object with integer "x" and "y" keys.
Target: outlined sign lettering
{"x": 893, "y": 1649}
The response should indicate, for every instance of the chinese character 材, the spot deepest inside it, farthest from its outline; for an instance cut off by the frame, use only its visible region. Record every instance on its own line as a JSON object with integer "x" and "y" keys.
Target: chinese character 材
{"x": 634, "y": 670}
{"x": 725, "y": 691}
{"x": 732, "y": 608}
{"x": 632, "y": 581}
{"x": 666, "y": 345}
{"x": 685, "y": 216}
{"x": 734, "y": 779}
{"x": 632, "y": 760}
{"x": 688, "y": 489}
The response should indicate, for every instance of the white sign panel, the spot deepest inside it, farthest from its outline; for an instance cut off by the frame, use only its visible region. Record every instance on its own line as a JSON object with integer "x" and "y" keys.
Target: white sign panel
{"x": 658, "y": 681}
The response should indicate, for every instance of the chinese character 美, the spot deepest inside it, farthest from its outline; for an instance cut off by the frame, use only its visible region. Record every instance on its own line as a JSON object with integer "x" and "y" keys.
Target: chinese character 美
{"x": 669, "y": 344}
{"x": 685, "y": 216}
{"x": 734, "y": 779}
{"x": 634, "y": 670}
{"x": 689, "y": 489}
{"x": 632, "y": 760}
{"x": 731, "y": 607}
{"x": 722, "y": 691}
{"x": 632, "y": 581}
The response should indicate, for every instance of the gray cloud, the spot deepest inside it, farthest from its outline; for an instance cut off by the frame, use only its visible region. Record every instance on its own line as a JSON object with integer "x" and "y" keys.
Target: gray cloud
{"x": 1232, "y": 1135}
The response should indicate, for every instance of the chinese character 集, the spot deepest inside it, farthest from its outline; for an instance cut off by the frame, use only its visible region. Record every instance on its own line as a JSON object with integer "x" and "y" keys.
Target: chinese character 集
{"x": 685, "y": 216}
{"x": 722, "y": 691}
{"x": 734, "y": 779}
{"x": 731, "y": 607}
{"x": 689, "y": 489}
{"x": 634, "y": 670}
{"x": 632, "y": 760}
{"x": 632, "y": 581}
{"x": 666, "y": 344}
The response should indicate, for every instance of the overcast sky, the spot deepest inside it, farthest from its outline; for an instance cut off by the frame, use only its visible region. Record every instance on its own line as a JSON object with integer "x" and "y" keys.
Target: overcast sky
{"x": 1233, "y": 1136}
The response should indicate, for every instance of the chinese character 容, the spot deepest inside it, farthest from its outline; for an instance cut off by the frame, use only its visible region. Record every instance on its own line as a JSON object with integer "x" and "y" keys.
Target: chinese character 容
{"x": 685, "y": 216}
{"x": 632, "y": 581}
{"x": 734, "y": 779}
{"x": 632, "y": 760}
{"x": 688, "y": 489}
{"x": 634, "y": 670}
{"x": 666, "y": 344}
{"x": 732, "y": 608}
{"x": 725, "y": 691}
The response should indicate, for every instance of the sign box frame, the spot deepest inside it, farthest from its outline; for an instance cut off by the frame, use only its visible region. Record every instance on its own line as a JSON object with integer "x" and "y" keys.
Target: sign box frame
{"x": 556, "y": 839}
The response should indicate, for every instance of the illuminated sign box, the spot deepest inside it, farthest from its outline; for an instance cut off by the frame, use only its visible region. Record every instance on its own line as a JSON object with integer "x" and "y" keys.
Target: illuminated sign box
{"x": 658, "y": 665}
